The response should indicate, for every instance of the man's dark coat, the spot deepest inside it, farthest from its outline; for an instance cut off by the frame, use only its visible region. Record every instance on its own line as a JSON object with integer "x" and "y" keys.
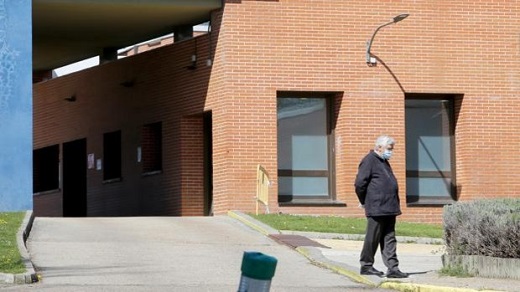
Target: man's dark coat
{"x": 376, "y": 187}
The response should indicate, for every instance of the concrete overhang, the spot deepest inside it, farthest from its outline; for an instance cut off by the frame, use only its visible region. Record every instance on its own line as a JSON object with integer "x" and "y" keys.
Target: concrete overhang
{"x": 67, "y": 31}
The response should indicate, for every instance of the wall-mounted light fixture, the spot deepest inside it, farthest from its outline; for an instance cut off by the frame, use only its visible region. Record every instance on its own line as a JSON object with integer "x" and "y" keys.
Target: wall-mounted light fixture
{"x": 194, "y": 56}
{"x": 209, "y": 61}
{"x": 193, "y": 65}
{"x": 71, "y": 98}
{"x": 371, "y": 61}
{"x": 128, "y": 83}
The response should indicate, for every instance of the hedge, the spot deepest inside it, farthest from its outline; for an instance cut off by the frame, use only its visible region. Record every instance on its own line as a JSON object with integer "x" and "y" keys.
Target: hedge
{"x": 483, "y": 227}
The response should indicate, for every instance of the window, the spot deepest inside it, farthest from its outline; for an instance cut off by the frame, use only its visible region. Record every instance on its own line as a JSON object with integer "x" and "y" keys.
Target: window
{"x": 112, "y": 155}
{"x": 304, "y": 149}
{"x": 152, "y": 148}
{"x": 430, "y": 161}
{"x": 46, "y": 169}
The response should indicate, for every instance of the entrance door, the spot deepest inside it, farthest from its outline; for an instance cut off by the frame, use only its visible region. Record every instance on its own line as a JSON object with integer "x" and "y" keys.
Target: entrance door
{"x": 75, "y": 178}
{"x": 208, "y": 164}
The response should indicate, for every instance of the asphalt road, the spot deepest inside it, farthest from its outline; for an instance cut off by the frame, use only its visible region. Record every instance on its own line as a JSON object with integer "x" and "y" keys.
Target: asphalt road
{"x": 162, "y": 254}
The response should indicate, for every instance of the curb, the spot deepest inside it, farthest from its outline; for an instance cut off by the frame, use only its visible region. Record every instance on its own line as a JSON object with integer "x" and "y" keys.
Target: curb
{"x": 361, "y": 237}
{"x": 253, "y": 223}
{"x": 410, "y": 287}
{"x": 315, "y": 257}
{"x": 21, "y": 238}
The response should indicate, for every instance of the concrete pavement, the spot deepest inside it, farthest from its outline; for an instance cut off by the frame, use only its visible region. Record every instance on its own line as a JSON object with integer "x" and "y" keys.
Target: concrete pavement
{"x": 421, "y": 261}
{"x": 204, "y": 254}
{"x": 421, "y": 257}
{"x": 162, "y": 254}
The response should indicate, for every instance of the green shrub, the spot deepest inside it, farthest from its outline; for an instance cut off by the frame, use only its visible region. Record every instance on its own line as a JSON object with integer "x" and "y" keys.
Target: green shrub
{"x": 483, "y": 227}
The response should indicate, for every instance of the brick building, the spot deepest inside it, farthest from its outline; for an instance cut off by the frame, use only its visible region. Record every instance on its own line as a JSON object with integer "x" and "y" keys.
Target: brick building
{"x": 289, "y": 87}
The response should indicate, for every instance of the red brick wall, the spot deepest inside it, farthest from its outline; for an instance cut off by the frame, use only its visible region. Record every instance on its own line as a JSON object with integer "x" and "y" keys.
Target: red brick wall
{"x": 48, "y": 205}
{"x": 468, "y": 48}
{"x": 163, "y": 90}
{"x": 192, "y": 167}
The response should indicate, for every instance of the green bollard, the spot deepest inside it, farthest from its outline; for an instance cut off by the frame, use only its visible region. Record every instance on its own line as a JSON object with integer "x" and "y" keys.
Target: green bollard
{"x": 257, "y": 272}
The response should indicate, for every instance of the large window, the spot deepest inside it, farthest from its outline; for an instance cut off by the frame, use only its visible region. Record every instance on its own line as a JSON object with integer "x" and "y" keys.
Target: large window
{"x": 152, "y": 148}
{"x": 46, "y": 169}
{"x": 112, "y": 155}
{"x": 304, "y": 149}
{"x": 430, "y": 155}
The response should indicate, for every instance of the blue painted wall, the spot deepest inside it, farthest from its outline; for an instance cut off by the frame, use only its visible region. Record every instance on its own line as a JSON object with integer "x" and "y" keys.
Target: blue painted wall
{"x": 15, "y": 105}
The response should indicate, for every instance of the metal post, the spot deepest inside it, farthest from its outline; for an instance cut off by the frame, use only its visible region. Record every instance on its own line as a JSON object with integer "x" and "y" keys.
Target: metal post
{"x": 257, "y": 271}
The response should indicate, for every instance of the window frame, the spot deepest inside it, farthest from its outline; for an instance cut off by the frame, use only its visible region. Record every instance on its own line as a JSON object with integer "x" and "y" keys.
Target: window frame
{"x": 416, "y": 199}
{"x": 330, "y": 199}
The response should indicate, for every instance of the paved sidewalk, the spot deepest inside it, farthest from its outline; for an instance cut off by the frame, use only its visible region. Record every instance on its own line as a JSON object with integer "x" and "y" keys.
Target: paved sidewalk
{"x": 421, "y": 260}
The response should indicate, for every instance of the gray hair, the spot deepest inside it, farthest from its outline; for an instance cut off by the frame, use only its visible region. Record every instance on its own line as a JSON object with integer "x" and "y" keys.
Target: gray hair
{"x": 383, "y": 141}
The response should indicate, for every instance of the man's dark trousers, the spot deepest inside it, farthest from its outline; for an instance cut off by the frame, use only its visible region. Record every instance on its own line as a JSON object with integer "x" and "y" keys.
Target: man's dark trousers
{"x": 380, "y": 232}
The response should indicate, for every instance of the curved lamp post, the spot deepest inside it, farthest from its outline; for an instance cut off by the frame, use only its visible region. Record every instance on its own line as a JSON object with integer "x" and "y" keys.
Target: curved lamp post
{"x": 370, "y": 60}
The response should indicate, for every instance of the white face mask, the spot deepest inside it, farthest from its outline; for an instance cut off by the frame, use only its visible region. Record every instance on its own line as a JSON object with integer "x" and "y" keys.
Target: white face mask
{"x": 387, "y": 154}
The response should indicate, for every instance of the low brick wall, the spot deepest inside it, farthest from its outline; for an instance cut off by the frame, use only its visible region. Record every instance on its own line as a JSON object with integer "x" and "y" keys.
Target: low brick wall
{"x": 484, "y": 266}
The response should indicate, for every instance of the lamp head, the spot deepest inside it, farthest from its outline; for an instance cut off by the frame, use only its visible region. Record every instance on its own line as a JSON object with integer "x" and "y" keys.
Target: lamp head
{"x": 400, "y": 17}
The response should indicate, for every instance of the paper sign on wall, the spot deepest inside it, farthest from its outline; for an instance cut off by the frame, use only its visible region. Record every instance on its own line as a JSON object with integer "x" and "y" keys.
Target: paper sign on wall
{"x": 90, "y": 161}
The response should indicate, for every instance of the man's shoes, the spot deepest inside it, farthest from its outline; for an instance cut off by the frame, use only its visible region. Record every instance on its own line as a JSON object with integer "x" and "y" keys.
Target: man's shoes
{"x": 371, "y": 271}
{"x": 396, "y": 274}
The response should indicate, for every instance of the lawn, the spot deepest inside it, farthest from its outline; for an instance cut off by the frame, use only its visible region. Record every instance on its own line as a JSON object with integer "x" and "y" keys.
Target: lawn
{"x": 10, "y": 260}
{"x": 342, "y": 225}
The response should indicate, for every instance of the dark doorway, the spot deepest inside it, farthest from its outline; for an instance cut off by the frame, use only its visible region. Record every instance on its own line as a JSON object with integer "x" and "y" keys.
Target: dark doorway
{"x": 75, "y": 178}
{"x": 208, "y": 164}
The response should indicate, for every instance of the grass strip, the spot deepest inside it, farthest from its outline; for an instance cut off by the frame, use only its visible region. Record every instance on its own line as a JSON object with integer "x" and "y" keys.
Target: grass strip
{"x": 10, "y": 259}
{"x": 343, "y": 225}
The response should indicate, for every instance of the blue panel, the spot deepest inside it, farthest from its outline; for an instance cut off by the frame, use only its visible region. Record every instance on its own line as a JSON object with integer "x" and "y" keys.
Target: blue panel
{"x": 309, "y": 152}
{"x": 15, "y": 105}
{"x": 303, "y": 186}
{"x": 428, "y": 187}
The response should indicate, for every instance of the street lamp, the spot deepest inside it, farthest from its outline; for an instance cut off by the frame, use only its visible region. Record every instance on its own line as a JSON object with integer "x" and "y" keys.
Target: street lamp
{"x": 371, "y": 61}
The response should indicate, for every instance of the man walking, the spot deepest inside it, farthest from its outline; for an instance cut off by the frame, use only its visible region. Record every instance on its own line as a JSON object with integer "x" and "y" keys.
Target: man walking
{"x": 378, "y": 193}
